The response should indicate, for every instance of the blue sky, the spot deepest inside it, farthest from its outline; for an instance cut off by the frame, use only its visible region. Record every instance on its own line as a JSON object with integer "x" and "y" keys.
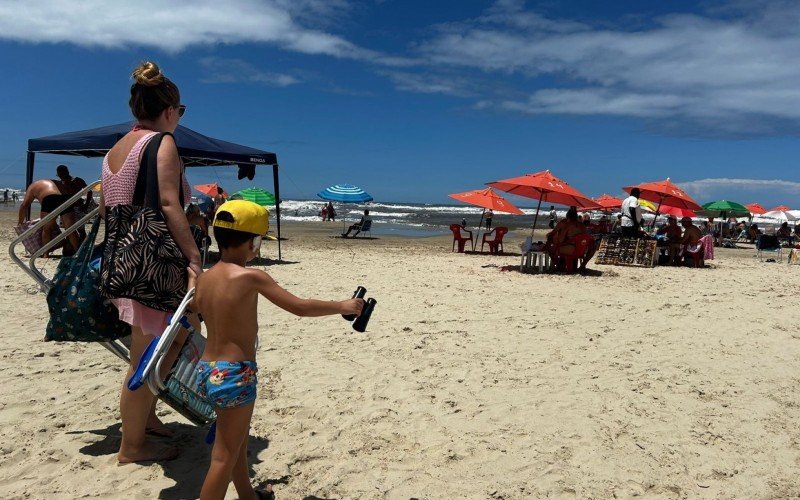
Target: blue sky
{"x": 413, "y": 100}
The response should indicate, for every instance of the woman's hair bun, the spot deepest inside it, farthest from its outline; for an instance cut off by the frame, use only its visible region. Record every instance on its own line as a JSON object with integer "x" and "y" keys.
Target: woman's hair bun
{"x": 148, "y": 74}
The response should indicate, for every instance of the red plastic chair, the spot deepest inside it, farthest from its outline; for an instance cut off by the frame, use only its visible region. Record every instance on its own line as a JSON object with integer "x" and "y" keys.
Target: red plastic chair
{"x": 496, "y": 242}
{"x": 460, "y": 238}
{"x": 581, "y": 242}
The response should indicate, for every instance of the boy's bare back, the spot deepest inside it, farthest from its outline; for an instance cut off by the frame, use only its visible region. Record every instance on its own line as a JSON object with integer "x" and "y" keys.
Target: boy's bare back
{"x": 227, "y": 296}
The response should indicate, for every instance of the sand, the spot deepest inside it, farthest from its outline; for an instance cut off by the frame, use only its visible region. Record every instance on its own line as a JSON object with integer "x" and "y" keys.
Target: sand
{"x": 471, "y": 382}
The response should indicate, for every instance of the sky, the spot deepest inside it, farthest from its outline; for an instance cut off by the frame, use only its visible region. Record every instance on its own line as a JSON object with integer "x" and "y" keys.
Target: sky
{"x": 412, "y": 100}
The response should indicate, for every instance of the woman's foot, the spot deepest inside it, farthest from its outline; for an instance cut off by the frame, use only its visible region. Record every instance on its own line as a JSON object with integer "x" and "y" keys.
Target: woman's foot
{"x": 156, "y": 427}
{"x": 149, "y": 452}
{"x": 159, "y": 431}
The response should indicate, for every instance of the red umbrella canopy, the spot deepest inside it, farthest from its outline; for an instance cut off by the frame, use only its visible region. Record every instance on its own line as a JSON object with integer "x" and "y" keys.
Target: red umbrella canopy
{"x": 608, "y": 202}
{"x": 780, "y": 208}
{"x": 544, "y": 186}
{"x": 486, "y": 198}
{"x": 665, "y": 193}
{"x": 756, "y": 208}
{"x": 211, "y": 189}
{"x": 677, "y": 212}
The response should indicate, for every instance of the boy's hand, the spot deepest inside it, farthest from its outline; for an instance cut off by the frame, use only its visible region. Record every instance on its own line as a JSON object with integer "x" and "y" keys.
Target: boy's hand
{"x": 352, "y": 306}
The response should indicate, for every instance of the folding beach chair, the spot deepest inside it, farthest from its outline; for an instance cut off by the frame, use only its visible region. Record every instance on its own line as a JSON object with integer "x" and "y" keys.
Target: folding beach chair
{"x": 177, "y": 389}
{"x": 366, "y": 228}
{"x": 768, "y": 243}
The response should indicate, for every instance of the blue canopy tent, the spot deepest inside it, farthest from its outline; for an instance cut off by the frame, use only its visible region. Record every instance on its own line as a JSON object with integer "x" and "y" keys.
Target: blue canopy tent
{"x": 195, "y": 149}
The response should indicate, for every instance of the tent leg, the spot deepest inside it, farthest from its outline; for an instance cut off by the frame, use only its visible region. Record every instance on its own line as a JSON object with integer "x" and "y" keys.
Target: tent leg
{"x": 536, "y": 215}
{"x": 277, "y": 187}
{"x": 29, "y": 175}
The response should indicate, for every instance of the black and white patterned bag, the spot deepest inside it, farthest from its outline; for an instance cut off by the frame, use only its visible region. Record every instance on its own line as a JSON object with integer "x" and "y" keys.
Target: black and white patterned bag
{"x": 141, "y": 260}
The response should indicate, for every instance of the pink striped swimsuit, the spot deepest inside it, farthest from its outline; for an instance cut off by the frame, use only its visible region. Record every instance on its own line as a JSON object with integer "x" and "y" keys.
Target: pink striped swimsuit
{"x": 118, "y": 189}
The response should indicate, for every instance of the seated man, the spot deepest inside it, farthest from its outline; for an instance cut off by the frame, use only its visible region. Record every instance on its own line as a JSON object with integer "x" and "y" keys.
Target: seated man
{"x": 358, "y": 225}
{"x": 784, "y": 233}
{"x": 563, "y": 236}
{"x": 753, "y": 233}
{"x": 672, "y": 238}
{"x": 691, "y": 244}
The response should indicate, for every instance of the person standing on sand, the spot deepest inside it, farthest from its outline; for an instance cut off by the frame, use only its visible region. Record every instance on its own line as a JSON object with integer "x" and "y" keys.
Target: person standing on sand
{"x": 49, "y": 196}
{"x": 155, "y": 103}
{"x": 632, "y": 215}
{"x": 489, "y": 215}
{"x": 5, "y": 196}
{"x": 552, "y": 217}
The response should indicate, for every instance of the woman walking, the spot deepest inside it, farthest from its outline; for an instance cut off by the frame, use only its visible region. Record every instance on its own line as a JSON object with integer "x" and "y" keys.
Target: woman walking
{"x": 155, "y": 103}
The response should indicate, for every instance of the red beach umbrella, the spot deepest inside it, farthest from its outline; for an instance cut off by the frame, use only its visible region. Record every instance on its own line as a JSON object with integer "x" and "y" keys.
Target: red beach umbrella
{"x": 665, "y": 193}
{"x": 544, "y": 186}
{"x": 756, "y": 209}
{"x": 608, "y": 202}
{"x": 780, "y": 208}
{"x": 211, "y": 189}
{"x": 487, "y": 198}
{"x": 677, "y": 212}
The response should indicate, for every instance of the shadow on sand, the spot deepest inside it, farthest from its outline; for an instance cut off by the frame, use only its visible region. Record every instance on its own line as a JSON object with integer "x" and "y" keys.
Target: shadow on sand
{"x": 189, "y": 469}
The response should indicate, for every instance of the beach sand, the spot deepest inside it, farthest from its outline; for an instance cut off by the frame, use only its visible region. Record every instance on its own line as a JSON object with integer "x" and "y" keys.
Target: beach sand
{"x": 471, "y": 382}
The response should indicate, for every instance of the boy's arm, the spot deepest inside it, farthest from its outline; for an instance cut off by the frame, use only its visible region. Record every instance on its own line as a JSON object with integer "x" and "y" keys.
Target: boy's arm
{"x": 279, "y": 296}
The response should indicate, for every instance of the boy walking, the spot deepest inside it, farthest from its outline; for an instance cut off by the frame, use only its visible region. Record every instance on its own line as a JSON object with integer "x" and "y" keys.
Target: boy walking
{"x": 226, "y": 296}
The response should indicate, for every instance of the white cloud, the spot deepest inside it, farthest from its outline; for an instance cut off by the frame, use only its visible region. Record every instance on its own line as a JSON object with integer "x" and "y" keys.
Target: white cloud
{"x": 176, "y": 25}
{"x": 773, "y": 188}
{"x": 736, "y": 73}
{"x": 235, "y": 70}
{"x": 431, "y": 83}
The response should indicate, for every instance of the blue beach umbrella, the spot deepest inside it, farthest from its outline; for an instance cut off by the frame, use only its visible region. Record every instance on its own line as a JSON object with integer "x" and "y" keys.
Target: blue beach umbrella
{"x": 345, "y": 193}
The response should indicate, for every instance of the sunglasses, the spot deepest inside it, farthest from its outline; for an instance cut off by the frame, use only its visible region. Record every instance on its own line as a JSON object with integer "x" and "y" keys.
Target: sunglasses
{"x": 181, "y": 109}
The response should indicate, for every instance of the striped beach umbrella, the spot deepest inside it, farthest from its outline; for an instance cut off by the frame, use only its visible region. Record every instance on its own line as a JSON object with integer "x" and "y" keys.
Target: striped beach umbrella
{"x": 345, "y": 193}
{"x": 256, "y": 195}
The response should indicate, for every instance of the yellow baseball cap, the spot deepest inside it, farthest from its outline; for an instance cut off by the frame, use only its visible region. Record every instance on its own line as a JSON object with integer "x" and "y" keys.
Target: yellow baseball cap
{"x": 247, "y": 216}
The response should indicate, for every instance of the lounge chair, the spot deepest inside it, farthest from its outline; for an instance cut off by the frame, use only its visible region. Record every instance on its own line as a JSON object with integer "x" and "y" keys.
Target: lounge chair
{"x": 365, "y": 228}
{"x": 460, "y": 238}
{"x": 179, "y": 389}
{"x": 768, "y": 244}
{"x": 173, "y": 391}
{"x": 495, "y": 239}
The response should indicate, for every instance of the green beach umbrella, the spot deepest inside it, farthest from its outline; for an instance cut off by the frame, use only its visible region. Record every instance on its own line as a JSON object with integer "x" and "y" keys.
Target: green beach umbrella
{"x": 724, "y": 208}
{"x": 256, "y": 195}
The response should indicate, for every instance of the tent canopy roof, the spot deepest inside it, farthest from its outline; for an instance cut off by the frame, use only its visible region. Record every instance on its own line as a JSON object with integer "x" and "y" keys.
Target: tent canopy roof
{"x": 196, "y": 149}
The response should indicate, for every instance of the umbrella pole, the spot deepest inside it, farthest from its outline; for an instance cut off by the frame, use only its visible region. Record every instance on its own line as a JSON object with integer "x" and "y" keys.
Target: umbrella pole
{"x": 478, "y": 232}
{"x": 536, "y": 215}
{"x": 657, "y": 210}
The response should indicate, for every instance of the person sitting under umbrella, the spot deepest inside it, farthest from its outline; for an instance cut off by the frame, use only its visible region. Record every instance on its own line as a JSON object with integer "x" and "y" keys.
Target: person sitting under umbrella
{"x": 560, "y": 241}
{"x": 785, "y": 233}
{"x": 358, "y": 225}
{"x": 672, "y": 237}
{"x": 690, "y": 242}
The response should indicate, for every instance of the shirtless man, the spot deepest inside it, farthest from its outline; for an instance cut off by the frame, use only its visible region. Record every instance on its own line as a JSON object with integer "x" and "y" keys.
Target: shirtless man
{"x": 48, "y": 195}
{"x": 69, "y": 186}
{"x": 691, "y": 237}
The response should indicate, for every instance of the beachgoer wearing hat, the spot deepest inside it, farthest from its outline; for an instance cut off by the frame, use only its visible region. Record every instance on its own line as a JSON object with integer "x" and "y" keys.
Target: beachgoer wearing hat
{"x": 227, "y": 374}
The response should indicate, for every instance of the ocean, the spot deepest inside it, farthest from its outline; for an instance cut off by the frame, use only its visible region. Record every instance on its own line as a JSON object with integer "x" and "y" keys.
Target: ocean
{"x": 416, "y": 219}
{"x": 411, "y": 219}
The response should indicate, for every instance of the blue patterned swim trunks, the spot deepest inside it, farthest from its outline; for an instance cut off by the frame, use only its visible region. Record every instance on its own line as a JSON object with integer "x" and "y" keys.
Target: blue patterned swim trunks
{"x": 227, "y": 384}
